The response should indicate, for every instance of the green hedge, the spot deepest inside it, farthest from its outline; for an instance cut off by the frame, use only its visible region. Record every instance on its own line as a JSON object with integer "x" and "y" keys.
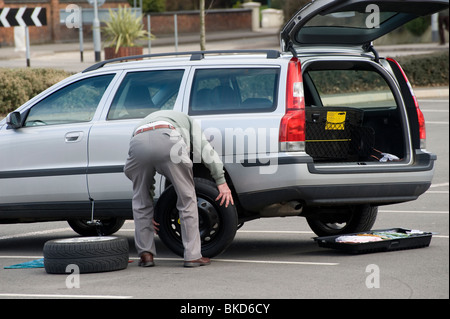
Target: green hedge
{"x": 151, "y": 5}
{"x": 19, "y": 85}
{"x": 427, "y": 69}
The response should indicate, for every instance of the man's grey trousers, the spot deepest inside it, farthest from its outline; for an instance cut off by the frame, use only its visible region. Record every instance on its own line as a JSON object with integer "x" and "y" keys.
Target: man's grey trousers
{"x": 163, "y": 151}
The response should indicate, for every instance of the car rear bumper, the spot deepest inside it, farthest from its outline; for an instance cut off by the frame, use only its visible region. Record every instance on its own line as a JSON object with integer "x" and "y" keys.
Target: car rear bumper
{"x": 314, "y": 185}
{"x": 336, "y": 195}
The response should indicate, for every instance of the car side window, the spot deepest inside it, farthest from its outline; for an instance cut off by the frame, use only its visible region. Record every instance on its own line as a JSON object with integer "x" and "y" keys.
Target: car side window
{"x": 75, "y": 103}
{"x": 239, "y": 90}
{"x": 144, "y": 92}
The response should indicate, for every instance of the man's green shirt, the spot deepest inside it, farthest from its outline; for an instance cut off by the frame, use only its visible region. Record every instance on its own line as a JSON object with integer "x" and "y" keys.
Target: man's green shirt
{"x": 193, "y": 137}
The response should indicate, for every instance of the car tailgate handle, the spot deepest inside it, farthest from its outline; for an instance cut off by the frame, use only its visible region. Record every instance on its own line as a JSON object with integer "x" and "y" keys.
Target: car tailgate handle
{"x": 73, "y": 137}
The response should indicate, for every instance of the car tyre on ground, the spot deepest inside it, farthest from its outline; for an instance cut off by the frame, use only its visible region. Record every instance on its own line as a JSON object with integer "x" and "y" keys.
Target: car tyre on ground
{"x": 89, "y": 254}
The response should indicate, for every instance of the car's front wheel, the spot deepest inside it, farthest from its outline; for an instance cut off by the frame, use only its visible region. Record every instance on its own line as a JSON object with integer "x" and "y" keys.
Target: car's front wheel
{"x": 357, "y": 219}
{"x": 217, "y": 224}
{"x": 106, "y": 227}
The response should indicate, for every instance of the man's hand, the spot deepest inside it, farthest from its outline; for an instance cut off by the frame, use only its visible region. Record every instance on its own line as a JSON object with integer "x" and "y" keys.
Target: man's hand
{"x": 225, "y": 195}
{"x": 155, "y": 226}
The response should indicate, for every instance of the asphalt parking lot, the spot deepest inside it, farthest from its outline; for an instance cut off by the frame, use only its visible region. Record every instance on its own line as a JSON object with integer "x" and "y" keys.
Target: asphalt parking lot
{"x": 269, "y": 259}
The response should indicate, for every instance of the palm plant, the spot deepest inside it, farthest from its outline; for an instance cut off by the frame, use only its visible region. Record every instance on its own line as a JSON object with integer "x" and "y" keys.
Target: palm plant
{"x": 124, "y": 29}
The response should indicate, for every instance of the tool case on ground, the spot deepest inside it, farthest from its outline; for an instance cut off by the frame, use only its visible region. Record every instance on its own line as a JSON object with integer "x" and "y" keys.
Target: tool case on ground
{"x": 367, "y": 242}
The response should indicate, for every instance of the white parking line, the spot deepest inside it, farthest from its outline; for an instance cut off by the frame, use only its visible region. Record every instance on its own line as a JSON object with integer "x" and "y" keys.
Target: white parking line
{"x": 297, "y": 232}
{"x": 21, "y": 257}
{"x": 275, "y": 262}
{"x": 436, "y": 122}
{"x": 304, "y": 232}
{"x": 43, "y": 232}
{"x": 414, "y": 211}
{"x": 64, "y": 296}
{"x": 439, "y": 185}
{"x": 277, "y": 232}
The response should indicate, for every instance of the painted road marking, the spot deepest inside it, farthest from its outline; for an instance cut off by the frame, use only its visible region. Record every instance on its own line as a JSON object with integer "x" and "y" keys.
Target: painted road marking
{"x": 64, "y": 296}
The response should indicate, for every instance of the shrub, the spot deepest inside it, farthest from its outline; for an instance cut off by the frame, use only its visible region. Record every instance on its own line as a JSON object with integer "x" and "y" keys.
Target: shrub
{"x": 427, "y": 69}
{"x": 124, "y": 28}
{"x": 19, "y": 85}
{"x": 290, "y": 7}
{"x": 418, "y": 26}
{"x": 151, "y": 5}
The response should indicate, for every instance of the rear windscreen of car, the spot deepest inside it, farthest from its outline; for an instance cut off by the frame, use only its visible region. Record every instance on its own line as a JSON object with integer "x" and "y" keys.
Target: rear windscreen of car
{"x": 352, "y": 87}
{"x": 348, "y": 19}
{"x": 234, "y": 90}
{"x": 142, "y": 93}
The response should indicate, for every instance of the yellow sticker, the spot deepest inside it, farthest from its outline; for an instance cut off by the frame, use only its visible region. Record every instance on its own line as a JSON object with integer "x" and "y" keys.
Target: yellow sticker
{"x": 336, "y": 121}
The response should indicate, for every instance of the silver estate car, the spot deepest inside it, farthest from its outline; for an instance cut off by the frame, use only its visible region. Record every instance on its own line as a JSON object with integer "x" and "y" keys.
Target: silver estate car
{"x": 325, "y": 129}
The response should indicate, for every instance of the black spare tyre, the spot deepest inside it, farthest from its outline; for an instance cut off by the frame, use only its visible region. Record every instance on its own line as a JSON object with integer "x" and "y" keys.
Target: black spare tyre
{"x": 217, "y": 224}
{"x": 89, "y": 254}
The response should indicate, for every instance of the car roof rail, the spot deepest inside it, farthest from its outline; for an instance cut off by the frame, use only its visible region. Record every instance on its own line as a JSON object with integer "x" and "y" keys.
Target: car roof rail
{"x": 195, "y": 56}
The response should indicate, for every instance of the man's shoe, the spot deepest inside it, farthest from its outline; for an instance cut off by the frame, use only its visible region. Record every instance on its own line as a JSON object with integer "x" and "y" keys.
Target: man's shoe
{"x": 197, "y": 263}
{"x": 146, "y": 260}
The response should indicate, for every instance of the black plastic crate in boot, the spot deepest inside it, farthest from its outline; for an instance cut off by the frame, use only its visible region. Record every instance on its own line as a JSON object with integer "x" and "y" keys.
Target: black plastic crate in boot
{"x": 330, "y": 131}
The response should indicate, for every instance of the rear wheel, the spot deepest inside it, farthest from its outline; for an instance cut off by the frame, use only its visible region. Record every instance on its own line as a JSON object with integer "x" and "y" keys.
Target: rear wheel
{"x": 217, "y": 224}
{"x": 358, "y": 219}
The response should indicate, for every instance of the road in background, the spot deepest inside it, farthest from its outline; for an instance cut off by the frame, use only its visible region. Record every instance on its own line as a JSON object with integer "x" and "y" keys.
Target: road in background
{"x": 66, "y": 56}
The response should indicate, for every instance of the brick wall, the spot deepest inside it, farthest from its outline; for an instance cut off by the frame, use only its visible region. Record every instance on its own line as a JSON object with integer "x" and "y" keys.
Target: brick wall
{"x": 54, "y": 31}
{"x": 162, "y": 23}
{"x": 189, "y": 21}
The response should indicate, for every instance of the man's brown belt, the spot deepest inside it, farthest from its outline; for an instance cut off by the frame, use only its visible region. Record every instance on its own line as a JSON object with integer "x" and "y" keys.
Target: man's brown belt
{"x": 156, "y": 127}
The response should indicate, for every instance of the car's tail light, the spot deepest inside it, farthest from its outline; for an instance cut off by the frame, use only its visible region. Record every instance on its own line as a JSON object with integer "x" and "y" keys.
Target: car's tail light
{"x": 420, "y": 117}
{"x": 292, "y": 127}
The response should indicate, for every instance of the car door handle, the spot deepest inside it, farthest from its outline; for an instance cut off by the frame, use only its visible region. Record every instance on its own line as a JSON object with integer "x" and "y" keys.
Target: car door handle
{"x": 73, "y": 137}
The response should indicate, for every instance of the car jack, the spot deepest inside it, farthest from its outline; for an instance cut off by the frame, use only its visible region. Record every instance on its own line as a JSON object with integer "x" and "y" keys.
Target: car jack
{"x": 95, "y": 223}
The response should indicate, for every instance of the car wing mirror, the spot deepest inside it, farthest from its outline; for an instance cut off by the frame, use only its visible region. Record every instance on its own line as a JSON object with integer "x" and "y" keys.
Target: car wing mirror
{"x": 14, "y": 120}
